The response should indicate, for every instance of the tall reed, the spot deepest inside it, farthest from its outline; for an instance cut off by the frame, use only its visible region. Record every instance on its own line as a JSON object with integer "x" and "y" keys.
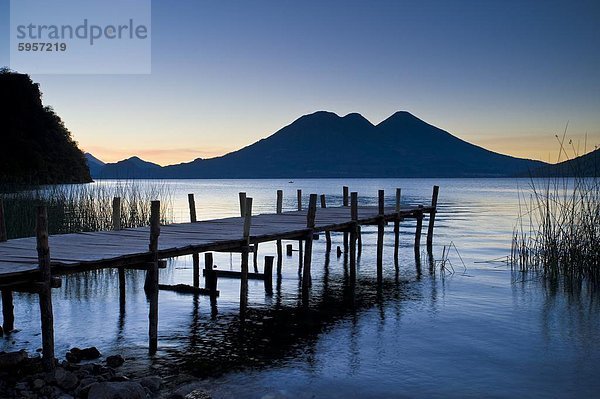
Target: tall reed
{"x": 558, "y": 230}
{"x": 80, "y": 208}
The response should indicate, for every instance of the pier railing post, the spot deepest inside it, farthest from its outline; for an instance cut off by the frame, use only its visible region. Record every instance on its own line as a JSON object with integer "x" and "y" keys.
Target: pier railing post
{"x": 397, "y": 226}
{"x": 245, "y": 248}
{"x": 380, "y": 233}
{"x": 353, "y": 234}
{"x": 45, "y": 288}
{"x": 327, "y": 233}
{"x": 279, "y": 210}
{"x": 345, "y": 202}
{"x": 310, "y": 224}
{"x": 434, "y": 199}
{"x": 192, "y": 204}
{"x": 152, "y": 277}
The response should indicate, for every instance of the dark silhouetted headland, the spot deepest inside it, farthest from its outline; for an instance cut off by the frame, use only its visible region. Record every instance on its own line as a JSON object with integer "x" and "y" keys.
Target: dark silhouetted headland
{"x": 35, "y": 145}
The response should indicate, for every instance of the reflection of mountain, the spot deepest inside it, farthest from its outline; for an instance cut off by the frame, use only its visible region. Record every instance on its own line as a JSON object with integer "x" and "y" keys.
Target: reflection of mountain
{"x": 35, "y": 145}
{"x": 324, "y": 144}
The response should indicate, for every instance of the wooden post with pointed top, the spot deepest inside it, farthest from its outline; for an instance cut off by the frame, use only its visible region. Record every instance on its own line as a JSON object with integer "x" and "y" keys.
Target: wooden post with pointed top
{"x": 310, "y": 224}
{"x": 3, "y": 235}
{"x": 434, "y": 199}
{"x": 279, "y": 210}
{"x": 397, "y": 226}
{"x": 327, "y": 233}
{"x": 353, "y": 234}
{"x": 380, "y": 232}
{"x": 345, "y": 202}
{"x": 245, "y": 248}
{"x": 152, "y": 277}
{"x": 45, "y": 294}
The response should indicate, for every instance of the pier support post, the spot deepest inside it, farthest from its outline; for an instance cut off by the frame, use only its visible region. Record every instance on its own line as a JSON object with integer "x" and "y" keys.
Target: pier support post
{"x": 419, "y": 216}
{"x": 152, "y": 277}
{"x": 310, "y": 224}
{"x": 116, "y": 224}
{"x": 45, "y": 294}
{"x": 245, "y": 248}
{"x": 434, "y": 199}
{"x": 353, "y": 235}
{"x": 3, "y": 235}
{"x": 268, "y": 274}
{"x": 279, "y": 210}
{"x": 299, "y": 195}
{"x": 397, "y": 227}
{"x": 289, "y": 249}
{"x": 345, "y": 200}
{"x": 380, "y": 232}
{"x": 327, "y": 233}
{"x": 8, "y": 311}
{"x": 195, "y": 256}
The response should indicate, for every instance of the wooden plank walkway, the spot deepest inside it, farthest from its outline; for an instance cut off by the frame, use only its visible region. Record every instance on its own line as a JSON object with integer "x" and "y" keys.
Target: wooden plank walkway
{"x": 80, "y": 251}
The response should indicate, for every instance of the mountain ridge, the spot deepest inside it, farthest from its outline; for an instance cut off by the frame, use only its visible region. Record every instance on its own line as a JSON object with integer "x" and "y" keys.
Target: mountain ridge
{"x": 324, "y": 144}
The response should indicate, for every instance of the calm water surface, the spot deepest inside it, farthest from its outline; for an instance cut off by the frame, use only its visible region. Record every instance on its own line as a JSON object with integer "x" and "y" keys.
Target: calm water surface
{"x": 481, "y": 331}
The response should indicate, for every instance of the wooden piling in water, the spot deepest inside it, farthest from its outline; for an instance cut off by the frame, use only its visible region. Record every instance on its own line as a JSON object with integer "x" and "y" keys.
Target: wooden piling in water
{"x": 434, "y": 199}
{"x": 279, "y": 210}
{"x": 245, "y": 249}
{"x": 397, "y": 226}
{"x": 353, "y": 234}
{"x": 289, "y": 248}
{"x": 3, "y": 235}
{"x": 45, "y": 295}
{"x": 327, "y": 233}
{"x": 8, "y": 311}
{"x": 419, "y": 228}
{"x": 195, "y": 256}
{"x": 152, "y": 277}
{"x": 116, "y": 225}
{"x": 380, "y": 233}
{"x": 210, "y": 275}
{"x": 299, "y": 199}
{"x": 268, "y": 272}
{"x": 345, "y": 199}
{"x": 310, "y": 224}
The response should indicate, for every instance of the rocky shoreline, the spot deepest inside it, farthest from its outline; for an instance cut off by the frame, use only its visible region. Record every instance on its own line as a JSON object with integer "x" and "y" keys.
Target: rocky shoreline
{"x": 81, "y": 375}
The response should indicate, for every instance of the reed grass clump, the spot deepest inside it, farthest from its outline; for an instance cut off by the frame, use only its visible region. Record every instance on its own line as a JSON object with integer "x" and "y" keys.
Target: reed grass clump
{"x": 558, "y": 231}
{"x": 84, "y": 207}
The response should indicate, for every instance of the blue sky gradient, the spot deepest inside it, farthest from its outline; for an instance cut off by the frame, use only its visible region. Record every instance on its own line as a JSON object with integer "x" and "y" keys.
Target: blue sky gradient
{"x": 505, "y": 75}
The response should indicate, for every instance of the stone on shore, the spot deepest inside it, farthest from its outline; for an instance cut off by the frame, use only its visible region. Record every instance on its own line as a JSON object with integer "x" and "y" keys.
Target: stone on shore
{"x": 117, "y": 390}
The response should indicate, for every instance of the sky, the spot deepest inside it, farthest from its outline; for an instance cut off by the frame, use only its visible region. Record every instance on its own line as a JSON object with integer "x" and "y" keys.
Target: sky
{"x": 506, "y": 75}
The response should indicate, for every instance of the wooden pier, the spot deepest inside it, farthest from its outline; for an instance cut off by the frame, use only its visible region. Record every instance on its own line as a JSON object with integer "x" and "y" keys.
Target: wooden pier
{"x": 32, "y": 264}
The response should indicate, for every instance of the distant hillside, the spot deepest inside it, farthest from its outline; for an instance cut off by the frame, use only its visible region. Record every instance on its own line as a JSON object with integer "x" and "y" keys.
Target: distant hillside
{"x": 94, "y": 164}
{"x": 36, "y": 147}
{"x": 324, "y": 144}
{"x": 131, "y": 168}
{"x": 587, "y": 165}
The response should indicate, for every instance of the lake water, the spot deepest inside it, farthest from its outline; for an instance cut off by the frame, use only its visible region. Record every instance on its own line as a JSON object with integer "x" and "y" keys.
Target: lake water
{"x": 482, "y": 331}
